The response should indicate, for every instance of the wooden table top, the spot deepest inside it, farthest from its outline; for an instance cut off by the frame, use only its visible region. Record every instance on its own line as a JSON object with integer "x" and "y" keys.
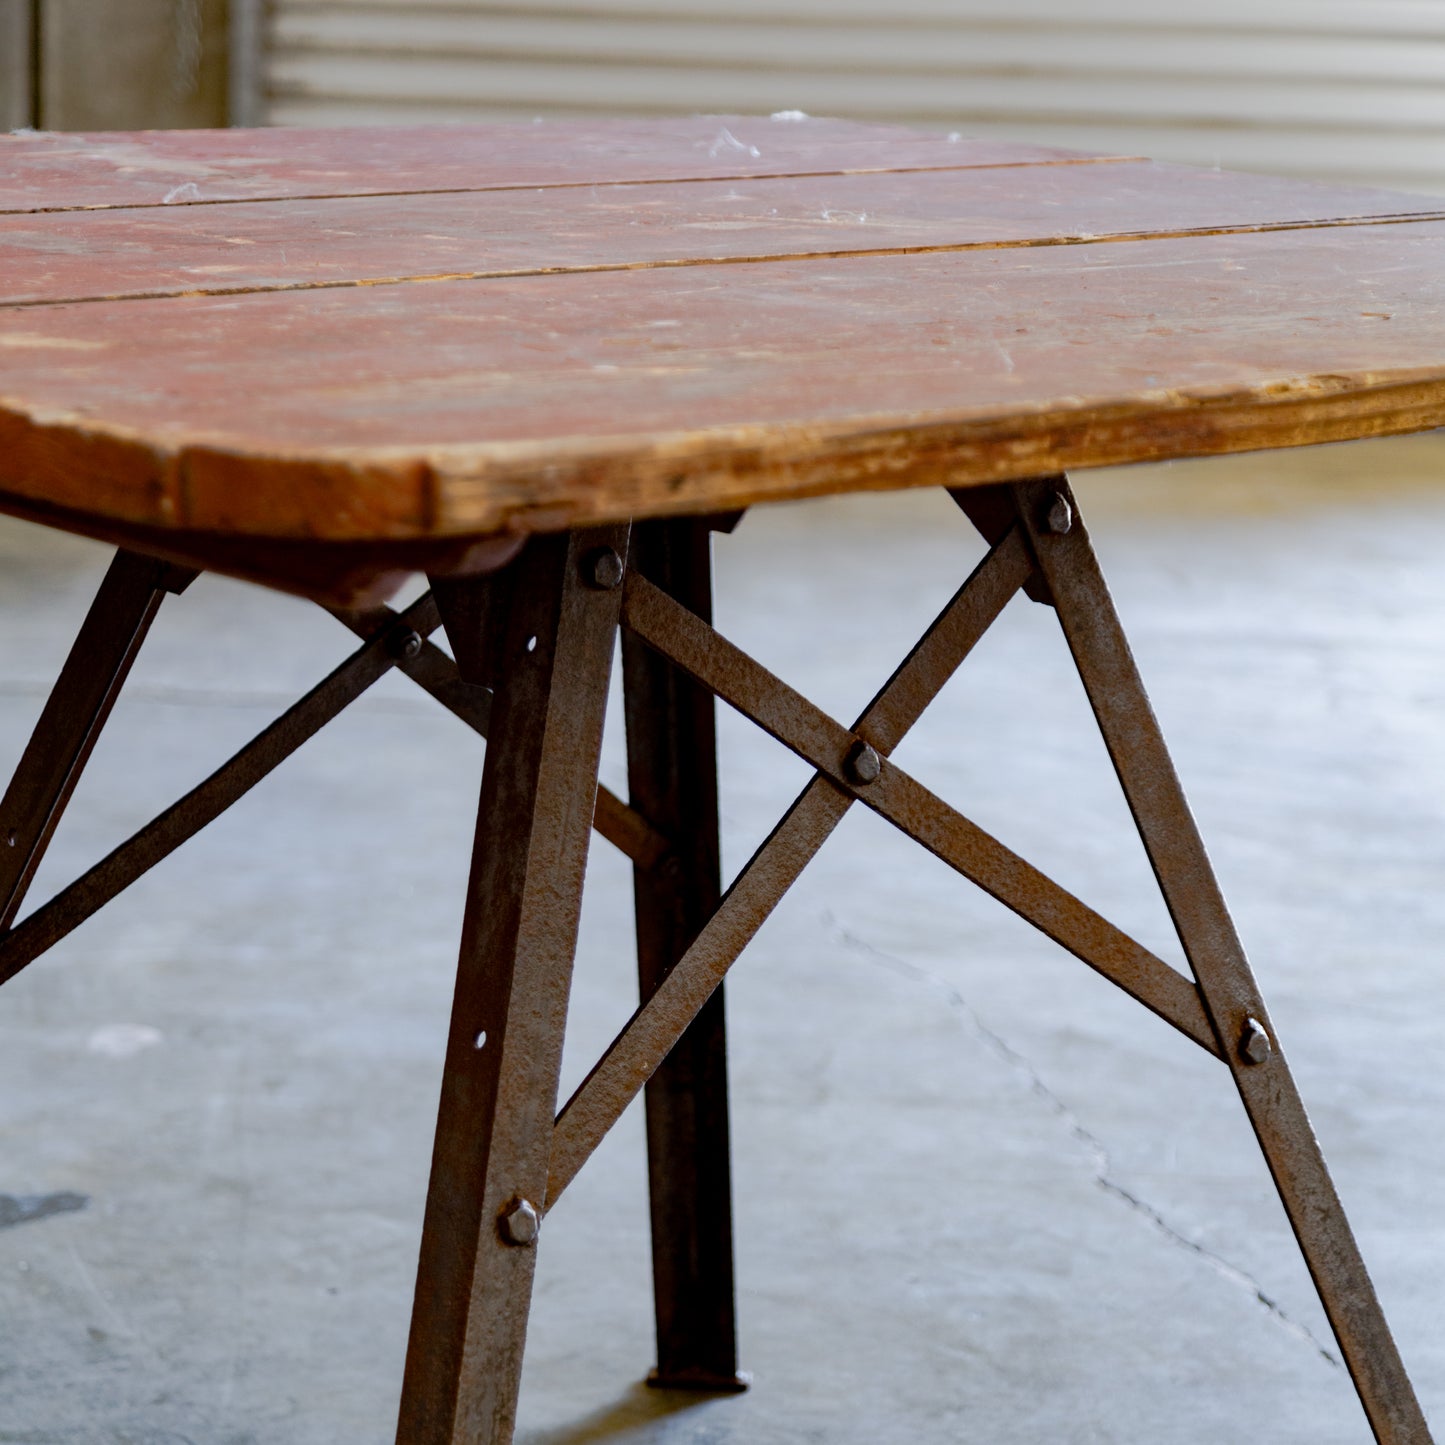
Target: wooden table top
{"x": 380, "y": 340}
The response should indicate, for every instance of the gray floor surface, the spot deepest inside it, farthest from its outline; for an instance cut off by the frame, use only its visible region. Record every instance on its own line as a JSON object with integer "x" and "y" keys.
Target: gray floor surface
{"x": 980, "y": 1195}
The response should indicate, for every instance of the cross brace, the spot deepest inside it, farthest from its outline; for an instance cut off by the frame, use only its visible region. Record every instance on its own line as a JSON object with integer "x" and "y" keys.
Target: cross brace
{"x": 1222, "y": 1009}
{"x": 534, "y": 644}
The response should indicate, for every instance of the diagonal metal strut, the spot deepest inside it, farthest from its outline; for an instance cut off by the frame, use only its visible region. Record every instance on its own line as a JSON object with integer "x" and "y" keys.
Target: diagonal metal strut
{"x": 203, "y": 804}
{"x": 692, "y": 645}
{"x": 386, "y": 634}
{"x": 74, "y": 714}
{"x": 1226, "y": 982}
{"x": 437, "y": 675}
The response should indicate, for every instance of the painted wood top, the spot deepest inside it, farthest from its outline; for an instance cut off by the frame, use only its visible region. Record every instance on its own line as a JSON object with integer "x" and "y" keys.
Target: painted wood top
{"x": 380, "y": 338}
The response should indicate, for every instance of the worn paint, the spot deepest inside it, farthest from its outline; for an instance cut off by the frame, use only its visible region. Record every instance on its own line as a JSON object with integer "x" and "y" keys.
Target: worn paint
{"x": 887, "y": 327}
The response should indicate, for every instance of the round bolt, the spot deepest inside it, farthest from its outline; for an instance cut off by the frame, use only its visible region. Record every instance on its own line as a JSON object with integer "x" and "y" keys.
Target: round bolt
{"x": 1059, "y": 519}
{"x": 521, "y": 1223}
{"x": 406, "y": 645}
{"x": 1254, "y": 1045}
{"x": 863, "y": 764}
{"x": 602, "y": 569}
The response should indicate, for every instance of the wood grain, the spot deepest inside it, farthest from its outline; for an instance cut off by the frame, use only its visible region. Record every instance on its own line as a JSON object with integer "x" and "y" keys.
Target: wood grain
{"x": 540, "y": 402}
{"x": 152, "y": 168}
{"x": 586, "y": 354}
{"x": 369, "y": 240}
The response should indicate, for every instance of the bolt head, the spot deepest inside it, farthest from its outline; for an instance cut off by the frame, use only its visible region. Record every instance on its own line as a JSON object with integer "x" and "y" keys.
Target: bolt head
{"x": 521, "y": 1223}
{"x": 1255, "y": 1045}
{"x": 602, "y": 569}
{"x": 1059, "y": 519}
{"x": 406, "y": 646}
{"x": 863, "y": 765}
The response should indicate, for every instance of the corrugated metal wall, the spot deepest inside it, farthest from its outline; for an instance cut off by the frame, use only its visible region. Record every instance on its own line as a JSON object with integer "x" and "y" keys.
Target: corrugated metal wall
{"x": 1342, "y": 88}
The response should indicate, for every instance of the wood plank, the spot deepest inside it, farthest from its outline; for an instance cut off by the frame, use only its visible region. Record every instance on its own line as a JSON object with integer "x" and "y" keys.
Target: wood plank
{"x": 541, "y": 402}
{"x": 1397, "y": 159}
{"x": 60, "y": 171}
{"x": 186, "y": 250}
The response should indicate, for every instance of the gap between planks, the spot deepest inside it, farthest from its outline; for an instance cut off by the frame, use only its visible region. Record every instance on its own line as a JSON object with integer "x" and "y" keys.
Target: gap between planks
{"x": 580, "y": 185}
{"x": 676, "y": 263}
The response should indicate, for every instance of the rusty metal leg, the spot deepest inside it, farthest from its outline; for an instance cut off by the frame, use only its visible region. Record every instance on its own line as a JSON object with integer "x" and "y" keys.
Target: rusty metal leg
{"x": 544, "y": 629}
{"x": 68, "y": 909}
{"x": 74, "y": 714}
{"x": 1226, "y": 982}
{"x": 672, "y": 780}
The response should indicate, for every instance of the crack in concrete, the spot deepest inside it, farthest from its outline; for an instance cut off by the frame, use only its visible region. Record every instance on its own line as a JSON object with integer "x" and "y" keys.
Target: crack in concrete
{"x": 1084, "y": 1137}
{"x": 22, "y": 1208}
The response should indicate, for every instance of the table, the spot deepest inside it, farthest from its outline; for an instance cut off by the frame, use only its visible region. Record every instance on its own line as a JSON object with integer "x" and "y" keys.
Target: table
{"x": 542, "y": 364}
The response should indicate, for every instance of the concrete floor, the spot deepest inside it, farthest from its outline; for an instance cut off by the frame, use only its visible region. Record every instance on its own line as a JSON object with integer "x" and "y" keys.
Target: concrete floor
{"x": 980, "y": 1196}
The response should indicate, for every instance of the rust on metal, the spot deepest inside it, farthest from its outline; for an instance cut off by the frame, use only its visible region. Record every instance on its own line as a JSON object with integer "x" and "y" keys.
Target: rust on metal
{"x": 826, "y": 744}
{"x": 73, "y": 717}
{"x": 48, "y": 924}
{"x": 323, "y": 360}
{"x": 436, "y": 674}
{"x": 1226, "y": 982}
{"x": 672, "y": 782}
{"x": 554, "y": 636}
{"x": 636, "y": 1053}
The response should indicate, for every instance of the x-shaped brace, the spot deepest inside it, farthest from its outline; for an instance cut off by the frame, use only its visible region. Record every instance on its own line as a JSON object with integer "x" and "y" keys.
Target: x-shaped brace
{"x": 81, "y": 702}
{"x": 852, "y": 764}
{"x": 1042, "y": 545}
{"x": 1039, "y": 545}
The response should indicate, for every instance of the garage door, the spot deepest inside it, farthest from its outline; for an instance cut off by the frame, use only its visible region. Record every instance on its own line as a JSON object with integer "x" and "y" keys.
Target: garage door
{"x": 1339, "y": 88}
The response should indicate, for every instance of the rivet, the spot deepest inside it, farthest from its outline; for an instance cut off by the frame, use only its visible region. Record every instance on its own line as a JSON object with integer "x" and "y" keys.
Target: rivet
{"x": 1254, "y": 1044}
{"x": 406, "y": 645}
{"x": 863, "y": 764}
{"x": 480, "y": 1042}
{"x": 602, "y": 569}
{"x": 521, "y": 1223}
{"x": 1059, "y": 519}
{"x": 11, "y": 839}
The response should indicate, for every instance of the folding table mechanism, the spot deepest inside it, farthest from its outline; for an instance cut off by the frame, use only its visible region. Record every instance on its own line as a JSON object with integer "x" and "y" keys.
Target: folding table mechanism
{"x": 534, "y": 646}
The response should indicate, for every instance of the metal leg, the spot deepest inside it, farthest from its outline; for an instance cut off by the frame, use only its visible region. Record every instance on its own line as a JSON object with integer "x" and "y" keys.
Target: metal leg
{"x": 540, "y": 636}
{"x": 672, "y": 780}
{"x": 1226, "y": 983}
{"x": 76, "y": 711}
{"x": 49, "y": 923}
{"x": 547, "y": 625}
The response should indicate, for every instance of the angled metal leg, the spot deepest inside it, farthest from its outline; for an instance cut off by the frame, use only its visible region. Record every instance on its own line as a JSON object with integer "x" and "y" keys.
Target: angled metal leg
{"x": 672, "y": 781}
{"x": 46, "y": 925}
{"x": 1220, "y": 1008}
{"x": 76, "y": 711}
{"x": 544, "y": 629}
{"x": 1226, "y": 982}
